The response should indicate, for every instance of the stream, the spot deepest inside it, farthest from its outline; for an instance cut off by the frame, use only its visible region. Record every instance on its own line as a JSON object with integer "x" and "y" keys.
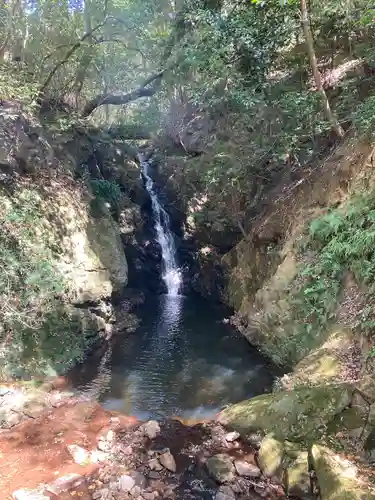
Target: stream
{"x": 183, "y": 360}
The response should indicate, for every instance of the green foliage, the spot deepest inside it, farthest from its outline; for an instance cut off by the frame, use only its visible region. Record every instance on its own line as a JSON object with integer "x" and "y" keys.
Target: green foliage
{"x": 107, "y": 191}
{"x": 17, "y": 84}
{"x": 36, "y": 331}
{"x": 364, "y": 117}
{"x": 341, "y": 241}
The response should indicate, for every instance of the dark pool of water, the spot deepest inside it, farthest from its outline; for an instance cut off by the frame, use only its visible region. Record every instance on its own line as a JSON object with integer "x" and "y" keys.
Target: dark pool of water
{"x": 183, "y": 360}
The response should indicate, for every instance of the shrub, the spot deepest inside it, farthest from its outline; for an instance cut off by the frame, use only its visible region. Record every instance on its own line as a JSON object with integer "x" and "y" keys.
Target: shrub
{"x": 108, "y": 191}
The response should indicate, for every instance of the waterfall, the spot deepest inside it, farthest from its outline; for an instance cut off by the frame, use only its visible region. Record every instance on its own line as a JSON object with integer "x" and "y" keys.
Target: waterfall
{"x": 171, "y": 272}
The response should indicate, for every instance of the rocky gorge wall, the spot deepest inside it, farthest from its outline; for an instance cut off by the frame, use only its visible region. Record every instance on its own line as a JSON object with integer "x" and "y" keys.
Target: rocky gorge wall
{"x": 297, "y": 295}
{"x": 67, "y": 214}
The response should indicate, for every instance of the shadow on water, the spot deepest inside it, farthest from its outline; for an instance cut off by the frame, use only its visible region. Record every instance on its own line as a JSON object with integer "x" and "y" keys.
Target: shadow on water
{"x": 182, "y": 360}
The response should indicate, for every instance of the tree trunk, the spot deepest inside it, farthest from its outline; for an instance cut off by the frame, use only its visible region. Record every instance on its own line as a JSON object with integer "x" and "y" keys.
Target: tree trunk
{"x": 314, "y": 66}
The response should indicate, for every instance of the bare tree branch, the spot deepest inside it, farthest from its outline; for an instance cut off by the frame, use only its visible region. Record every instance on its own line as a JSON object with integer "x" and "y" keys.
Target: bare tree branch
{"x": 142, "y": 91}
{"x": 67, "y": 56}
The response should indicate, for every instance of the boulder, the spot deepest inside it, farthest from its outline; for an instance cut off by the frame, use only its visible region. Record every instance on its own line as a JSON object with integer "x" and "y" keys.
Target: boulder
{"x": 300, "y": 414}
{"x": 297, "y": 477}
{"x": 270, "y": 456}
{"x": 338, "y": 479}
{"x": 220, "y": 468}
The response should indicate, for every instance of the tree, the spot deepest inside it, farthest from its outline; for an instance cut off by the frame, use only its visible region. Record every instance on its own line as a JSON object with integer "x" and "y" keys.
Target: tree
{"x": 317, "y": 77}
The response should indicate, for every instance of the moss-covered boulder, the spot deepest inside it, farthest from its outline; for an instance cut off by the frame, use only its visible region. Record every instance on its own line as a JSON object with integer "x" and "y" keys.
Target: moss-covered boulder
{"x": 270, "y": 457}
{"x": 300, "y": 414}
{"x": 297, "y": 477}
{"x": 338, "y": 479}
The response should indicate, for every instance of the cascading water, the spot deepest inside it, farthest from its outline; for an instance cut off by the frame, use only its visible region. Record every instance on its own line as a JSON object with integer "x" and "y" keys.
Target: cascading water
{"x": 183, "y": 359}
{"x": 171, "y": 272}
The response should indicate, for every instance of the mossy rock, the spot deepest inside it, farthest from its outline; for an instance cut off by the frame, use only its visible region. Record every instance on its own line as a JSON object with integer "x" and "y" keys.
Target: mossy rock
{"x": 298, "y": 415}
{"x": 338, "y": 479}
{"x": 351, "y": 419}
{"x": 270, "y": 456}
{"x": 297, "y": 477}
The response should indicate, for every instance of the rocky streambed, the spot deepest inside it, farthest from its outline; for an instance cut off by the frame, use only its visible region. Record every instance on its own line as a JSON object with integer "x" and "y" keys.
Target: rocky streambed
{"x": 271, "y": 446}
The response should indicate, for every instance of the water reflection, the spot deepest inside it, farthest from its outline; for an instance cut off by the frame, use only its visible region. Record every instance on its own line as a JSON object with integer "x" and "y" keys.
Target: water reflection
{"x": 182, "y": 361}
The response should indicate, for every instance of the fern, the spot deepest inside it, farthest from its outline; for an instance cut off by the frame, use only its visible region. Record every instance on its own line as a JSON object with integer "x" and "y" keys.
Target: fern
{"x": 342, "y": 241}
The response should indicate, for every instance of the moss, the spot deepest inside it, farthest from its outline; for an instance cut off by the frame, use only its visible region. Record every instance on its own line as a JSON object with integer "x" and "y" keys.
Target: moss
{"x": 302, "y": 414}
{"x": 338, "y": 479}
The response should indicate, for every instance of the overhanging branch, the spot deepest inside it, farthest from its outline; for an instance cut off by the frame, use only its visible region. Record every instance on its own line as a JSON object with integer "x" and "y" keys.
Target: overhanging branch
{"x": 143, "y": 91}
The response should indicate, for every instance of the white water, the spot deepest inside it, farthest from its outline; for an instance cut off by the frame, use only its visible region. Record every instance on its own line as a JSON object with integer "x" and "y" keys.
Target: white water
{"x": 171, "y": 272}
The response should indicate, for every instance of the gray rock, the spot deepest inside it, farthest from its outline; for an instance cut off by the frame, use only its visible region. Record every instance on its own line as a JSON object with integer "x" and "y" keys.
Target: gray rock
{"x": 232, "y": 436}
{"x": 139, "y": 479}
{"x": 270, "y": 456}
{"x": 153, "y": 474}
{"x": 104, "y": 445}
{"x": 150, "y": 495}
{"x": 126, "y": 483}
{"x": 167, "y": 460}
{"x": 151, "y": 429}
{"x": 154, "y": 464}
{"x": 10, "y": 419}
{"x": 29, "y": 495}
{"x": 103, "y": 494}
{"x": 246, "y": 469}
{"x": 135, "y": 491}
{"x": 65, "y": 483}
{"x": 225, "y": 493}
{"x": 220, "y": 468}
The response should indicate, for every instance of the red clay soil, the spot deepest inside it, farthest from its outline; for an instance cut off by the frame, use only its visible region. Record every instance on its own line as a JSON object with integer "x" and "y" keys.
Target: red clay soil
{"x": 35, "y": 451}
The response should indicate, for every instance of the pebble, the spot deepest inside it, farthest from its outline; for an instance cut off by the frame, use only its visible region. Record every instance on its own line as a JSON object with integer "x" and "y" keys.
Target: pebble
{"x": 232, "y": 436}
{"x": 151, "y": 429}
{"x": 97, "y": 456}
{"x": 153, "y": 474}
{"x": 79, "y": 454}
{"x": 154, "y": 464}
{"x": 104, "y": 445}
{"x": 225, "y": 493}
{"x": 103, "y": 494}
{"x": 245, "y": 469}
{"x": 139, "y": 479}
{"x": 126, "y": 483}
{"x": 167, "y": 460}
{"x": 135, "y": 491}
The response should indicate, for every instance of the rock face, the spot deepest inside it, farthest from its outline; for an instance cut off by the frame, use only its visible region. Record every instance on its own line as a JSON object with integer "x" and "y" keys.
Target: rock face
{"x": 301, "y": 413}
{"x": 338, "y": 479}
{"x": 73, "y": 243}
